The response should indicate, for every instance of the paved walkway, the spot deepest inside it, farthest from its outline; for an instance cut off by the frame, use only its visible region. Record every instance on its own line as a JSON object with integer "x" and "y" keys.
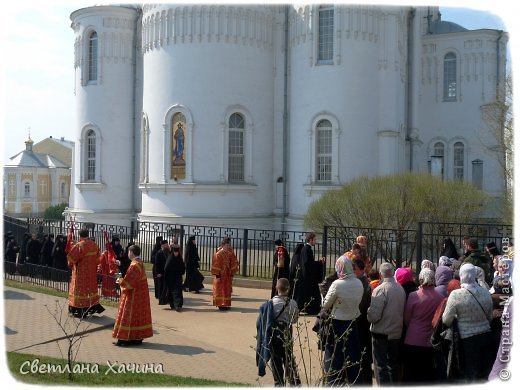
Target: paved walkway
{"x": 200, "y": 341}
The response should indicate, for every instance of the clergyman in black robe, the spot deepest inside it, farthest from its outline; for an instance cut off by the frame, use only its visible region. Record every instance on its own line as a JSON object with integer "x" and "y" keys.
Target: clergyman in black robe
{"x": 281, "y": 263}
{"x": 46, "y": 251}
{"x": 158, "y": 267}
{"x": 172, "y": 280}
{"x": 194, "y": 278}
{"x": 306, "y": 288}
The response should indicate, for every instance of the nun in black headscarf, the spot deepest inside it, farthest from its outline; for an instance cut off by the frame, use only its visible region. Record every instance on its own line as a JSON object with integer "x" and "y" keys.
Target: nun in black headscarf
{"x": 449, "y": 250}
{"x": 194, "y": 278}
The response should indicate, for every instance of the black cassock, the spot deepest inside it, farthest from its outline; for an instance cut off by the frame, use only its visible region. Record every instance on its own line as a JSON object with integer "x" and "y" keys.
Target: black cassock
{"x": 194, "y": 278}
{"x": 280, "y": 272}
{"x": 158, "y": 269}
{"x": 172, "y": 282}
{"x": 309, "y": 275}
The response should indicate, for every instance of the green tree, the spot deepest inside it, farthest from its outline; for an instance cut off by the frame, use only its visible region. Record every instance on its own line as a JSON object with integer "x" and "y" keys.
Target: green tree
{"x": 397, "y": 203}
{"x": 55, "y": 212}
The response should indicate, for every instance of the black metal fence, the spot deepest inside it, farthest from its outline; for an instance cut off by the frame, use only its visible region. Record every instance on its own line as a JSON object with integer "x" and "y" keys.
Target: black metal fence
{"x": 255, "y": 247}
{"x": 48, "y": 277}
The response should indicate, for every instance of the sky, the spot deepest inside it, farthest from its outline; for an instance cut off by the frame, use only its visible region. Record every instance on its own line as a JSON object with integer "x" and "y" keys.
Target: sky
{"x": 37, "y": 73}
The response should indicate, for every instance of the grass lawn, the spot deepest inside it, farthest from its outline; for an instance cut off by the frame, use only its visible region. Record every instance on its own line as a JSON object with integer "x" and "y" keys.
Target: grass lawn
{"x": 20, "y": 368}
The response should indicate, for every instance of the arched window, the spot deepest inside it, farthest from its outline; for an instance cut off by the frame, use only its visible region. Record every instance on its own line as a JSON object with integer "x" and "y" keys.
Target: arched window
{"x": 325, "y": 34}
{"x": 63, "y": 188}
{"x": 458, "y": 161}
{"x": 450, "y": 77}
{"x": 236, "y": 148}
{"x": 27, "y": 189}
{"x": 92, "y": 56}
{"x": 90, "y": 173}
{"x": 324, "y": 151}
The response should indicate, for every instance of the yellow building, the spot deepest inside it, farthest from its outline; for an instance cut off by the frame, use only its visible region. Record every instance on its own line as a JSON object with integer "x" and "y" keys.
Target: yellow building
{"x": 38, "y": 177}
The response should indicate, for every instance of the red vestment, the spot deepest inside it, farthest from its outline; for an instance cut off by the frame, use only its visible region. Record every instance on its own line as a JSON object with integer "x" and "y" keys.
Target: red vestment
{"x": 107, "y": 268}
{"x": 134, "y": 316}
{"x": 83, "y": 259}
{"x": 223, "y": 267}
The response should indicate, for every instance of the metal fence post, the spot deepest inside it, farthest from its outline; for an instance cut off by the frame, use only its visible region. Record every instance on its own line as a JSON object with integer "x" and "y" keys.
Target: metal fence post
{"x": 419, "y": 247}
{"x": 181, "y": 239}
{"x": 132, "y": 227}
{"x": 244, "y": 253}
{"x": 324, "y": 249}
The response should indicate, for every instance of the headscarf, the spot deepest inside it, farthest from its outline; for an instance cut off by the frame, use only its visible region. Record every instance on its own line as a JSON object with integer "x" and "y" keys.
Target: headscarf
{"x": 443, "y": 275}
{"x": 427, "y": 277}
{"x": 445, "y": 260}
{"x": 504, "y": 280}
{"x": 427, "y": 264}
{"x": 480, "y": 278}
{"x": 403, "y": 275}
{"x": 344, "y": 267}
{"x": 361, "y": 240}
{"x": 453, "y": 284}
{"x": 468, "y": 277}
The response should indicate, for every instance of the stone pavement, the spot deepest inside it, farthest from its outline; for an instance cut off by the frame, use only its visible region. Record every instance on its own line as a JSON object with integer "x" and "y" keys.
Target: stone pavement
{"x": 200, "y": 341}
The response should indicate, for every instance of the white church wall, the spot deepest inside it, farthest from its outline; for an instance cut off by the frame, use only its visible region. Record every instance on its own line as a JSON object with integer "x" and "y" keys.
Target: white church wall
{"x": 106, "y": 105}
{"x": 460, "y": 120}
{"x": 211, "y": 80}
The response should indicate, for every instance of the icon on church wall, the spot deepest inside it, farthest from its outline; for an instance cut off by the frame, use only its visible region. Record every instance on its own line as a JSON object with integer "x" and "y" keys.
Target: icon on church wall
{"x": 178, "y": 155}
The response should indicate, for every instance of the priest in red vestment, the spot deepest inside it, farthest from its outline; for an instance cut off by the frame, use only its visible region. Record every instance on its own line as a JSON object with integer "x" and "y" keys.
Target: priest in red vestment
{"x": 134, "y": 316}
{"x": 83, "y": 259}
{"x": 223, "y": 267}
{"x": 107, "y": 268}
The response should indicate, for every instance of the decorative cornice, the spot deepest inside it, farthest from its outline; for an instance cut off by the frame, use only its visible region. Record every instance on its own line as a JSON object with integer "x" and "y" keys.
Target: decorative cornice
{"x": 90, "y": 186}
{"x": 198, "y": 187}
{"x": 241, "y": 25}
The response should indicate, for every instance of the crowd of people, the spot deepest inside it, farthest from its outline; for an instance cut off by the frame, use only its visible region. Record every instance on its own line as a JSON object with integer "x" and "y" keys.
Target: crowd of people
{"x": 442, "y": 326}
{"x": 442, "y": 323}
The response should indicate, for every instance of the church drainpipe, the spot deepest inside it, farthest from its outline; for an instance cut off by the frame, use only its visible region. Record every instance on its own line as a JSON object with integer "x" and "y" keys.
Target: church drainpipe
{"x": 408, "y": 115}
{"x": 285, "y": 117}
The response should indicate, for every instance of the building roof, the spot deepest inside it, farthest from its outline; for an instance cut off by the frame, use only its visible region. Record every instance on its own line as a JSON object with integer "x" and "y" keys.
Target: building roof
{"x": 29, "y": 159}
{"x": 61, "y": 141}
{"x": 442, "y": 27}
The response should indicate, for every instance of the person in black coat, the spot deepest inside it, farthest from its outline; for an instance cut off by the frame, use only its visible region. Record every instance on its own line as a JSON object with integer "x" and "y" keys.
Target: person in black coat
{"x": 160, "y": 257}
{"x": 449, "y": 250}
{"x": 23, "y": 248}
{"x": 118, "y": 248}
{"x": 125, "y": 260}
{"x": 194, "y": 278}
{"x": 172, "y": 280}
{"x": 11, "y": 249}
{"x": 46, "y": 251}
{"x": 33, "y": 250}
{"x": 59, "y": 256}
{"x": 156, "y": 281}
{"x": 281, "y": 263}
{"x": 306, "y": 289}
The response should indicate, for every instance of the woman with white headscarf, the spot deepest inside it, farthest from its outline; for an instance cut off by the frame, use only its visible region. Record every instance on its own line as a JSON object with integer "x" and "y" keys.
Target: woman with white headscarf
{"x": 418, "y": 314}
{"x": 471, "y": 305}
{"x": 342, "y": 351}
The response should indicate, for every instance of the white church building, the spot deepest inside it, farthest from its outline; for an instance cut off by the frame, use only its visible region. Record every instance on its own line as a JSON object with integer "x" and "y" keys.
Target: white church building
{"x": 242, "y": 115}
